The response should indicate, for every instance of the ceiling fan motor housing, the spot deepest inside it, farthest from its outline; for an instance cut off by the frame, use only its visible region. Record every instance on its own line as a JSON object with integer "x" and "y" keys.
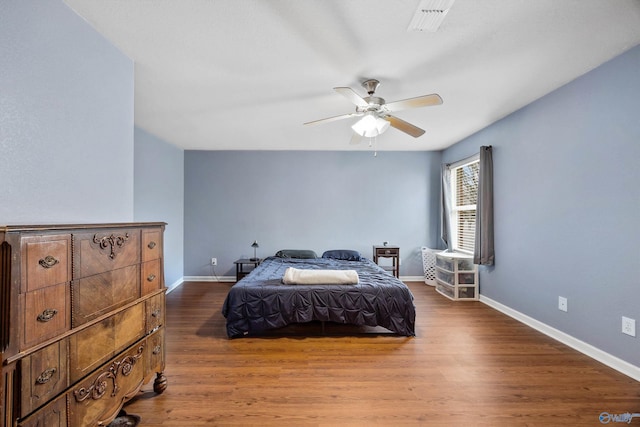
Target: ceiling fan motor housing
{"x": 371, "y": 85}
{"x": 375, "y": 104}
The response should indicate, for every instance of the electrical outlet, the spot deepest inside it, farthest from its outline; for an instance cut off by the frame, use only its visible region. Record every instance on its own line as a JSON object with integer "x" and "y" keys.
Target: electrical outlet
{"x": 628, "y": 326}
{"x": 214, "y": 261}
{"x": 562, "y": 304}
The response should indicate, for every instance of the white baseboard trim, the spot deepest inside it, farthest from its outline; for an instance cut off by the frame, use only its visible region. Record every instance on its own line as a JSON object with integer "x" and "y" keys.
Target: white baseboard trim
{"x": 180, "y": 281}
{"x": 412, "y": 278}
{"x": 175, "y": 284}
{"x": 210, "y": 279}
{"x": 581, "y": 346}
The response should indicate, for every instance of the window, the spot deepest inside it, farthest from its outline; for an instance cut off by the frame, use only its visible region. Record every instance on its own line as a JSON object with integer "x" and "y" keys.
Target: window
{"x": 464, "y": 197}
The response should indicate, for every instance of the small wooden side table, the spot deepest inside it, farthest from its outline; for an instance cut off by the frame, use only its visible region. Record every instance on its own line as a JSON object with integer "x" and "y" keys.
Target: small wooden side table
{"x": 392, "y": 252}
{"x": 240, "y": 263}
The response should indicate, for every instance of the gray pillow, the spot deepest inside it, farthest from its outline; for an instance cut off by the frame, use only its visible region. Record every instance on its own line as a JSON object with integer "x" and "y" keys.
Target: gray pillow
{"x": 296, "y": 253}
{"x": 343, "y": 254}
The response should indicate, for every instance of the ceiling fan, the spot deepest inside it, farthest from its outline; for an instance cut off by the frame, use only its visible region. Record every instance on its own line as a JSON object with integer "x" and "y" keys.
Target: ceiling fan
{"x": 376, "y": 112}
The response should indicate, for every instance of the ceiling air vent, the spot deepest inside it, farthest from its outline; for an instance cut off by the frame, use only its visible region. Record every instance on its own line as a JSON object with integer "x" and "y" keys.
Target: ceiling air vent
{"x": 430, "y": 15}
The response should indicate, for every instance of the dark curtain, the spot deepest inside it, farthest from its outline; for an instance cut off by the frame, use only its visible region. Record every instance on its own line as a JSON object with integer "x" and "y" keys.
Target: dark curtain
{"x": 484, "y": 251}
{"x": 445, "y": 206}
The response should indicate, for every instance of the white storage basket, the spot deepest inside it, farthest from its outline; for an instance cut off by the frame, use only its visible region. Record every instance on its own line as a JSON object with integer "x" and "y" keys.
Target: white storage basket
{"x": 429, "y": 264}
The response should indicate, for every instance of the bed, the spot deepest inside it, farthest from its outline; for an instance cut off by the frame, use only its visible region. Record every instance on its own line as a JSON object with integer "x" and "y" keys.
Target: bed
{"x": 261, "y": 301}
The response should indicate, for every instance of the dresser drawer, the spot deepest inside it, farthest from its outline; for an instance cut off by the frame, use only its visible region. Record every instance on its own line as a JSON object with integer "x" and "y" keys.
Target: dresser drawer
{"x": 466, "y": 278}
{"x": 446, "y": 290}
{"x": 46, "y": 314}
{"x": 151, "y": 244}
{"x": 96, "y": 344}
{"x": 46, "y": 261}
{"x": 383, "y": 252}
{"x": 105, "y": 250}
{"x": 99, "y": 294}
{"x": 466, "y": 264}
{"x": 52, "y": 415}
{"x": 95, "y": 401}
{"x": 467, "y": 292}
{"x": 445, "y": 276}
{"x": 155, "y": 352}
{"x": 151, "y": 277}
{"x": 44, "y": 375}
{"x": 444, "y": 263}
{"x": 155, "y": 312}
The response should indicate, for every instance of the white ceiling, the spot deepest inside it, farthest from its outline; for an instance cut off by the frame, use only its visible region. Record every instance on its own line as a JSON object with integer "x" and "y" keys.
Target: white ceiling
{"x": 246, "y": 74}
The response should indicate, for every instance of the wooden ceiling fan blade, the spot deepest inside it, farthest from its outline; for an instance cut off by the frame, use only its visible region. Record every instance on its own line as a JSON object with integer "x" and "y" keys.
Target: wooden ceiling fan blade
{"x": 331, "y": 119}
{"x": 419, "y": 101}
{"x": 348, "y": 93}
{"x": 405, "y": 127}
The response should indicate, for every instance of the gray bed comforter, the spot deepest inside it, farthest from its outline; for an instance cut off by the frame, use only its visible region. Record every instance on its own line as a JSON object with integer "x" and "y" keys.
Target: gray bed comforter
{"x": 260, "y": 301}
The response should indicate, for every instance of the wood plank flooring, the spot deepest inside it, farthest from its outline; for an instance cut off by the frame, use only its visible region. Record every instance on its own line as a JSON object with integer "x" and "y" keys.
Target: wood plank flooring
{"x": 469, "y": 365}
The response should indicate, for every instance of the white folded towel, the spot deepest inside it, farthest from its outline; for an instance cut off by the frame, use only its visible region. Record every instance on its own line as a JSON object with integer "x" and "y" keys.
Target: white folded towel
{"x": 295, "y": 276}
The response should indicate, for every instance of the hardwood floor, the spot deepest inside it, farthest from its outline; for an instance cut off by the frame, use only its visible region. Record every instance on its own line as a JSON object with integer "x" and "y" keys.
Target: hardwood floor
{"x": 469, "y": 365}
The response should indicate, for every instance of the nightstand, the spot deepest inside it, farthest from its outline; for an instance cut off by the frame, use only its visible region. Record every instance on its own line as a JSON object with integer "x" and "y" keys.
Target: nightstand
{"x": 240, "y": 263}
{"x": 392, "y": 252}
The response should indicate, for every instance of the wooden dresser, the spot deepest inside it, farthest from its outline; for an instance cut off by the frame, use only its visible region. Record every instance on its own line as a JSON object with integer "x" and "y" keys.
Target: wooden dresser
{"x": 82, "y": 314}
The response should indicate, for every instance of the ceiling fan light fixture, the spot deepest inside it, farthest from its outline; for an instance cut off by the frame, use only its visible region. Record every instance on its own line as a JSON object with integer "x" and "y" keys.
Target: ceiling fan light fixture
{"x": 370, "y": 126}
{"x": 430, "y": 15}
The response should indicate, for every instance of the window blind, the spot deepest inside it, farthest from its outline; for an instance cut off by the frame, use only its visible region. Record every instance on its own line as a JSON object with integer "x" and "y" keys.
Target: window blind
{"x": 465, "y": 198}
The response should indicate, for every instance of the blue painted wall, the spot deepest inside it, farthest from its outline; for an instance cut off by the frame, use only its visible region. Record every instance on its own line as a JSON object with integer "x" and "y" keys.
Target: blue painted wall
{"x": 307, "y": 200}
{"x": 567, "y": 195}
{"x": 159, "y": 195}
{"x": 66, "y": 119}
{"x": 67, "y": 132}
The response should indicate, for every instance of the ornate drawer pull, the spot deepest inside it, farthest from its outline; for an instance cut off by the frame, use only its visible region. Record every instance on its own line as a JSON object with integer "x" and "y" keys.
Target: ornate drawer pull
{"x": 48, "y": 261}
{"x": 157, "y": 349}
{"x": 47, "y": 315}
{"x": 151, "y": 278}
{"x": 113, "y": 242}
{"x": 156, "y": 313}
{"x": 151, "y": 245}
{"x": 100, "y": 384}
{"x": 46, "y": 376}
